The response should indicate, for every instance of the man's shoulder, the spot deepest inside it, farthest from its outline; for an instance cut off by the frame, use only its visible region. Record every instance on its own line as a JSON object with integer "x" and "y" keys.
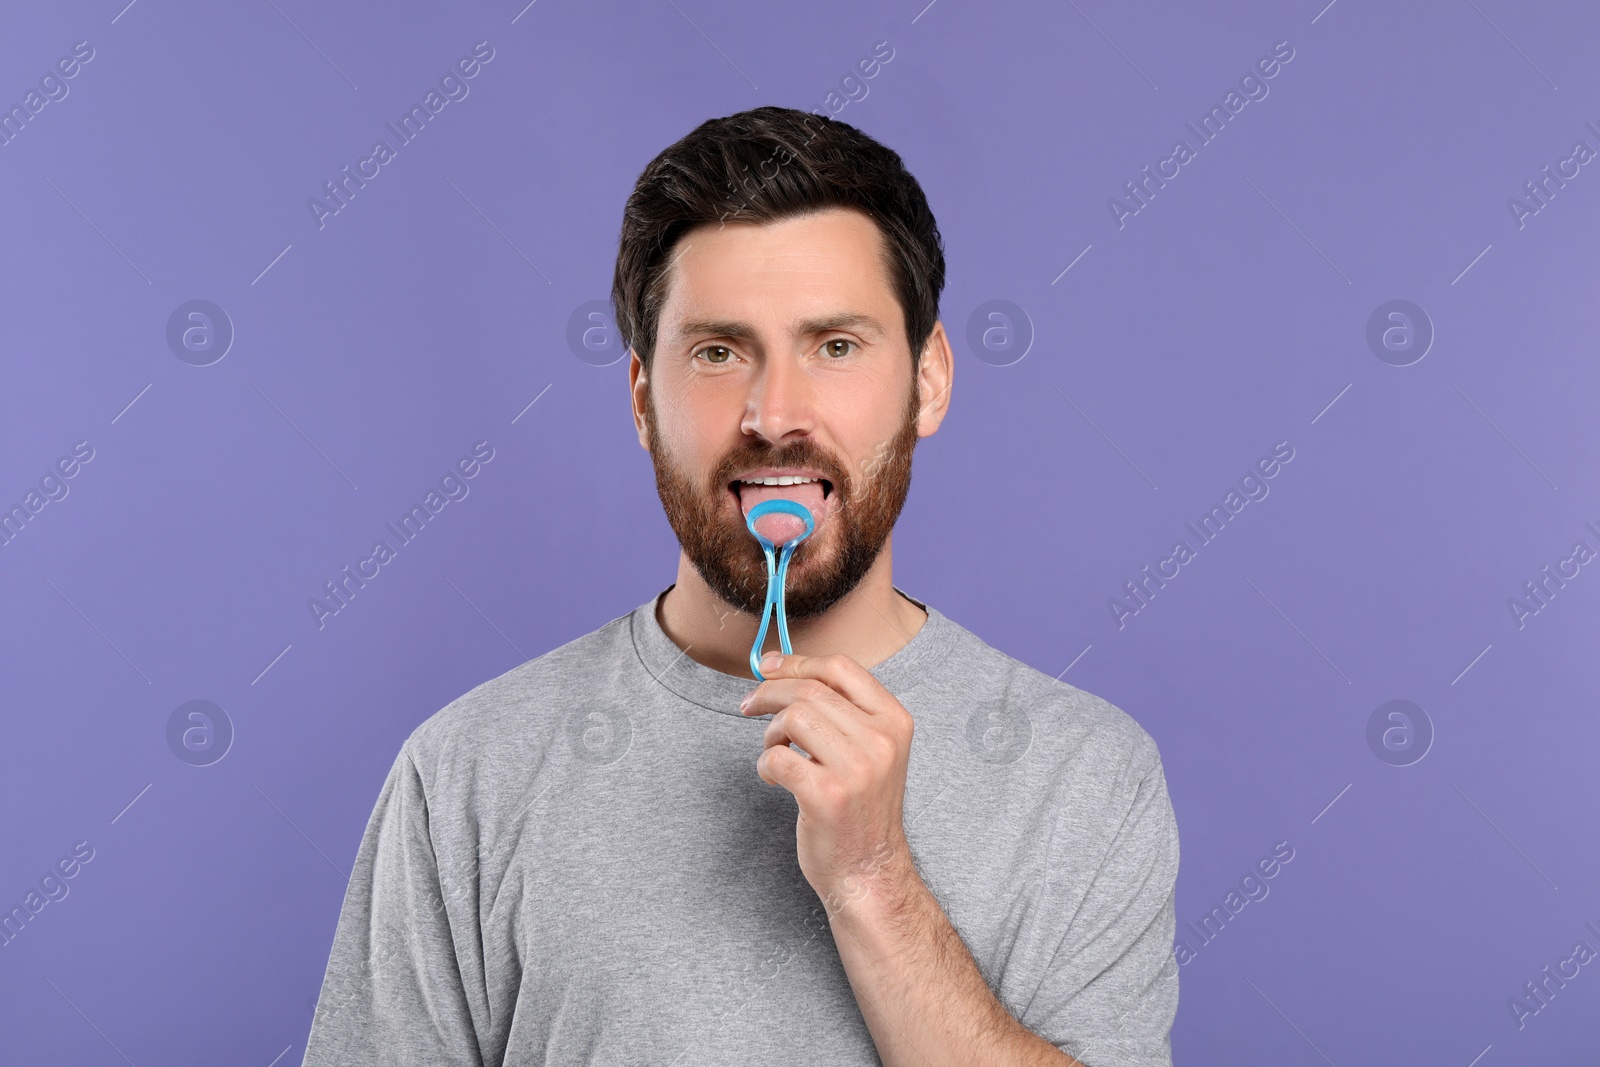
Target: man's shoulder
{"x": 1069, "y": 722}
{"x": 526, "y": 702}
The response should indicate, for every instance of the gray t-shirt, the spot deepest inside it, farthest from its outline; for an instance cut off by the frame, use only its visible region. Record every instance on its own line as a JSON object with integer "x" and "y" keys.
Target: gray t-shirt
{"x": 576, "y": 862}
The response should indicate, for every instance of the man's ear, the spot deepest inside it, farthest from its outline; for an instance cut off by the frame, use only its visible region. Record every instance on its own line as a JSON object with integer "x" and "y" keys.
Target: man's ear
{"x": 935, "y": 377}
{"x": 639, "y": 397}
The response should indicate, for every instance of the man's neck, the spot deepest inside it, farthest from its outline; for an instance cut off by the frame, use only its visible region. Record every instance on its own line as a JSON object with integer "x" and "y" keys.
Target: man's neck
{"x": 870, "y": 625}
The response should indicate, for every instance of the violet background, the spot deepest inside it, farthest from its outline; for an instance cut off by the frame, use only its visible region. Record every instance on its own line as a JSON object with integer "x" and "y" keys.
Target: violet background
{"x": 1229, "y": 314}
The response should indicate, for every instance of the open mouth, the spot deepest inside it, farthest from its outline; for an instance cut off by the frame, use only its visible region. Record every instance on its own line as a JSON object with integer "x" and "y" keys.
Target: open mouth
{"x": 815, "y": 493}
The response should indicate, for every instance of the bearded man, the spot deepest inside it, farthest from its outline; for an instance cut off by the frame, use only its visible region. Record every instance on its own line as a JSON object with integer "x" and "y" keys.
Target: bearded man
{"x": 901, "y": 847}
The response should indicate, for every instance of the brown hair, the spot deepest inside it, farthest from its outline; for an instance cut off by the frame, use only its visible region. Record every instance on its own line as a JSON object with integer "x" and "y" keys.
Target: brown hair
{"x": 765, "y": 165}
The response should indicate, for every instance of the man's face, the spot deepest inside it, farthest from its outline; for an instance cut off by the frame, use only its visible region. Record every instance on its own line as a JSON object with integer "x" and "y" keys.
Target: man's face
{"x": 755, "y": 369}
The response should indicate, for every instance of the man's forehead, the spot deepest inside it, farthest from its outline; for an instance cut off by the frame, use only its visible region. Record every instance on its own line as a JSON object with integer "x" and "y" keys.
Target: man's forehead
{"x": 807, "y": 274}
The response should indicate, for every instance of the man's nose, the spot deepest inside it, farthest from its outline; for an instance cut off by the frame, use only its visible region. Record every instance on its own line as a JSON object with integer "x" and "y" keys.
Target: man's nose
{"x": 781, "y": 401}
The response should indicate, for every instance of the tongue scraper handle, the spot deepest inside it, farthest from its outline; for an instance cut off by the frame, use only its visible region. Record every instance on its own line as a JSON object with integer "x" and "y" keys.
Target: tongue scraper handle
{"x": 775, "y": 575}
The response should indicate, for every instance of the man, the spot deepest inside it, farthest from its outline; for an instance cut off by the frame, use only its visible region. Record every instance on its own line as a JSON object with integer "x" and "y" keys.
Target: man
{"x": 902, "y": 847}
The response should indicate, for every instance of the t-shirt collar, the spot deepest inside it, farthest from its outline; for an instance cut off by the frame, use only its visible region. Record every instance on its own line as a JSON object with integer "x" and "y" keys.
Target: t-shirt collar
{"x": 668, "y": 665}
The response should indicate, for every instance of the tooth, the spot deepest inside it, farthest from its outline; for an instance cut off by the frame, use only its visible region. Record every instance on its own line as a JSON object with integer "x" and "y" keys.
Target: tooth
{"x": 782, "y": 479}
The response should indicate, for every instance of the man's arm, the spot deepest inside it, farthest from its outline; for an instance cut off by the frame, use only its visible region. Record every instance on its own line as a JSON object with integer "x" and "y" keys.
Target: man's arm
{"x": 918, "y": 987}
{"x": 1110, "y": 984}
{"x": 1110, "y": 992}
{"x": 393, "y": 992}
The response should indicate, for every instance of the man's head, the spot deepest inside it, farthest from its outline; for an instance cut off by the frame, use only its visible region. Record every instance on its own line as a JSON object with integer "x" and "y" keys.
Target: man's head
{"x": 778, "y": 283}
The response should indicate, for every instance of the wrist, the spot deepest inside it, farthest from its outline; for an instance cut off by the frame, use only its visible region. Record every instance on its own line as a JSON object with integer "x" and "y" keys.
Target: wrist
{"x": 884, "y": 890}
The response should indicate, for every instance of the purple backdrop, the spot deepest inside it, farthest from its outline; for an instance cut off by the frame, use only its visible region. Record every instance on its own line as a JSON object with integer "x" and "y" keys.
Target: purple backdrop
{"x": 1380, "y": 260}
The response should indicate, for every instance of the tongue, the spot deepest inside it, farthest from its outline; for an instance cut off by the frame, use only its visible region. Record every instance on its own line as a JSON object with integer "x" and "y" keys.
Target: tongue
{"x": 779, "y": 528}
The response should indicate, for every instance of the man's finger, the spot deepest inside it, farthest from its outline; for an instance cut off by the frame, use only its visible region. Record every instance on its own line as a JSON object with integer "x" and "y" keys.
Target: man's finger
{"x": 775, "y": 694}
{"x": 817, "y": 728}
{"x": 840, "y": 673}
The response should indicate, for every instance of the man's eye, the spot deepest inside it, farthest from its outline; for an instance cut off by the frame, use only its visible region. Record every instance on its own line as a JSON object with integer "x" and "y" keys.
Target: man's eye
{"x": 717, "y": 354}
{"x": 828, "y": 349}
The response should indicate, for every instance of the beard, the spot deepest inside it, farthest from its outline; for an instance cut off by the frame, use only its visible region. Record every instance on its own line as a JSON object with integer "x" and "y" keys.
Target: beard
{"x": 864, "y": 505}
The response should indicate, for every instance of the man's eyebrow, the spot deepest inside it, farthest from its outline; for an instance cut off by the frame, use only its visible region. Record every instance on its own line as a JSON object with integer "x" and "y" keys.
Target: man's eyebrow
{"x": 743, "y": 331}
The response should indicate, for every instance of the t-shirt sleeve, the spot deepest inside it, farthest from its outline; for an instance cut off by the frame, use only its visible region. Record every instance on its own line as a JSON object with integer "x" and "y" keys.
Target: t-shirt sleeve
{"x": 393, "y": 993}
{"x": 1110, "y": 993}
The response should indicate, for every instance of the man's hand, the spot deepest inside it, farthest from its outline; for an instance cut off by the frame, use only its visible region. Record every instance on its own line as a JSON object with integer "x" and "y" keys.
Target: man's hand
{"x": 850, "y": 837}
{"x": 919, "y": 989}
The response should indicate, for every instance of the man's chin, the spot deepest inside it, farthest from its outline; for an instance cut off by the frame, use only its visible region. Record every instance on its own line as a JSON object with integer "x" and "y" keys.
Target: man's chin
{"x": 808, "y": 575}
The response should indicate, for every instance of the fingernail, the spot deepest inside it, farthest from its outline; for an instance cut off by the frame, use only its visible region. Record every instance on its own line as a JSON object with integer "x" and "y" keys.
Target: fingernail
{"x": 744, "y": 705}
{"x": 771, "y": 661}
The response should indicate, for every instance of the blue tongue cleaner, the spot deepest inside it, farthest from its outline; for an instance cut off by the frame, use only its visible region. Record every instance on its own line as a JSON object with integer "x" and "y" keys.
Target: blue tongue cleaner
{"x": 773, "y": 523}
